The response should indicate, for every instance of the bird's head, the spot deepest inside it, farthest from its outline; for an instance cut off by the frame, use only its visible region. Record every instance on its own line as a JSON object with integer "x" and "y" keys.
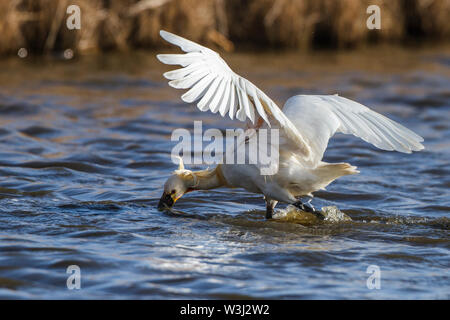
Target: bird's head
{"x": 180, "y": 182}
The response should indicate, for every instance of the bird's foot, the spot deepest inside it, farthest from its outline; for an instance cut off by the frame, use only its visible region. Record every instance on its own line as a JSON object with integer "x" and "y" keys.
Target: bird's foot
{"x": 270, "y": 205}
{"x": 310, "y": 209}
{"x": 269, "y": 212}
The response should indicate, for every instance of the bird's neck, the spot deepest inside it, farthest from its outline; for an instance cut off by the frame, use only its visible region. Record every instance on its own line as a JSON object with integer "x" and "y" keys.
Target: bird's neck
{"x": 209, "y": 179}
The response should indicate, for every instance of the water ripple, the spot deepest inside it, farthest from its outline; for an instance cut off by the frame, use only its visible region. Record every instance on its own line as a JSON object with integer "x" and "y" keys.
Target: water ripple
{"x": 84, "y": 155}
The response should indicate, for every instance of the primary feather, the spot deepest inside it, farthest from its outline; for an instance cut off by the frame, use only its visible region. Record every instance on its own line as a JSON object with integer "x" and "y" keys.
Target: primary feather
{"x": 217, "y": 88}
{"x": 308, "y": 122}
{"x": 318, "y": 118}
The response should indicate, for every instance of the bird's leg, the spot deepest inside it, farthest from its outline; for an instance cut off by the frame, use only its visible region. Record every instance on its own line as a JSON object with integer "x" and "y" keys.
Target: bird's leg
{"x": 308, "y": 208}
{"x": 270, "y": 205}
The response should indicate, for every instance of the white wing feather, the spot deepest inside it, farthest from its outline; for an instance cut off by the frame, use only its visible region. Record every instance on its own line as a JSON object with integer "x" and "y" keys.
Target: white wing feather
{"x": 318, "y": 118}
{"x": 308, "y": 121}
{"x": 217, "y": 88}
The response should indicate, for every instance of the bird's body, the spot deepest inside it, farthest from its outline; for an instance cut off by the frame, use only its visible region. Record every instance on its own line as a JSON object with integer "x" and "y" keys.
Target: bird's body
{"x": 290, "y": 182}
{"x": 305, "y": 124}
{"x": 295, "y": 176}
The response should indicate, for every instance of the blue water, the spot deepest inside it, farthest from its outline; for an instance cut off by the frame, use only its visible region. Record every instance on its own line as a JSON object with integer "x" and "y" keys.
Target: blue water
{"x": 85, "y": 149}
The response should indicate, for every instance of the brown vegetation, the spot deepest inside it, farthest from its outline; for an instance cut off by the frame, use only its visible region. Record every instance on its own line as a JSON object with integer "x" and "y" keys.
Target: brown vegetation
{"x": 40, "y": 25}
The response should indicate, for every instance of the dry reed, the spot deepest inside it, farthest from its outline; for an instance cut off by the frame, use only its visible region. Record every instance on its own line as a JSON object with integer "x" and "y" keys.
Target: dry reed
{"x": 40, "y": 25}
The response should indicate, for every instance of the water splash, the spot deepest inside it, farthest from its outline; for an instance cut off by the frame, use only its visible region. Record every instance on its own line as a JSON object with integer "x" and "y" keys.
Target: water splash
{"x": 294, "y": 215}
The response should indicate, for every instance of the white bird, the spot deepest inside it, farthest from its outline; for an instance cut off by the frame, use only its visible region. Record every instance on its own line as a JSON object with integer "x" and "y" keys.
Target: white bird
{"x": 305, "y": 123}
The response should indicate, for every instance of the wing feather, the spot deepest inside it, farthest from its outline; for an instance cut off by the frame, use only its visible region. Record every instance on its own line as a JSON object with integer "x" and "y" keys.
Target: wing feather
{"x": 258, "y": 104}
{"x": 226, "y": 99}
{"x": 318, "y": 118}
{"x": 189, "y": 81}
{"x": 307, "y": 121}
{"x": 217, "y": 99}
{"x": 240, "y": 114}
{"x": 233, "y": 101}
{"x": 183, "y": 72}
{"x": 198, "y": 90}
{"x": 218, "y": 89}
{"x": 204, "y": 105}
{"x": 181, "y": 59}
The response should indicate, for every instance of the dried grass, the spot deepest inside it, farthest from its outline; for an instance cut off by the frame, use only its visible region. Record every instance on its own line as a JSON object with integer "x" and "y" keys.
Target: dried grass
{"x": 39, "y": 25}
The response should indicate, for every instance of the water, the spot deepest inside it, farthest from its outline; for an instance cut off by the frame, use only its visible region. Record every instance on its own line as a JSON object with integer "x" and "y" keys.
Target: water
{"x": 85, "y": 148}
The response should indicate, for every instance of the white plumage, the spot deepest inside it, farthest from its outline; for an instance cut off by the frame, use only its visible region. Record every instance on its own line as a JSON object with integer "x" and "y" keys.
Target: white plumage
{"x": 318, "y": 118}
{"x": 219, "y": 89}
{"x": 307, "y": 122}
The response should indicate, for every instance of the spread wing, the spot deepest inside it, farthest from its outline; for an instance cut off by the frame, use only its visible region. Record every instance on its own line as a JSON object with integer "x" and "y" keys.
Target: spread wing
{"x": 215, "y": 87}
{"x": 318, "y": 118}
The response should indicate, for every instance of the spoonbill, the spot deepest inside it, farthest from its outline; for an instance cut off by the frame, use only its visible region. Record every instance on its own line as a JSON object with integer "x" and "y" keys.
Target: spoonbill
{"x": 305, "y": 124}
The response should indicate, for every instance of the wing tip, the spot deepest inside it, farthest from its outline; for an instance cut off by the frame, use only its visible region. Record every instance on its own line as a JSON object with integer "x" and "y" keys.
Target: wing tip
{"x": 354, "y": 170}
{"x": 165, "y": 35}
{"x": 173, "y": 84}
{"x": 170, "y": 59}
{"x": 160, "y": 57}
{"x": 419, "y": 146}
{"x": 409, "y": 149}
{"x": 168, "y": 76}
{"x": 186, "y": 99}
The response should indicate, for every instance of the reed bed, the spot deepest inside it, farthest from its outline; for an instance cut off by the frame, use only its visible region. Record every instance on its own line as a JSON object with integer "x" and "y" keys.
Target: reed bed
{"x": 40, "y": 25}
